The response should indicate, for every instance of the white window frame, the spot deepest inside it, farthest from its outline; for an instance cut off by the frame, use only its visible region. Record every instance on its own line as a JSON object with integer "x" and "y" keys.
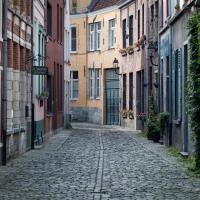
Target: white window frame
{"x": 91, "y": 37}
{"x": 97, "y": 80}
{"x": 72, "y": 80}
{"x": 91, "y": 83}
{"x": 73, "y": 26}
{"x": 98, "y": 35}
{"x": 112, "y": 33}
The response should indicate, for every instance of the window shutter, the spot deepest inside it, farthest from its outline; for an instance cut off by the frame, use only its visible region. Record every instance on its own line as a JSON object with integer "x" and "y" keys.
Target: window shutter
{"x": 179, "y": 83}
{"x": 173, "y": 84}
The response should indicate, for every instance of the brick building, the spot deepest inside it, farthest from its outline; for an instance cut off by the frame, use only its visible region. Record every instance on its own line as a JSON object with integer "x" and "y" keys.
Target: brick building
{"x": 19, "y": 34}
{"x": 55, "y": 63}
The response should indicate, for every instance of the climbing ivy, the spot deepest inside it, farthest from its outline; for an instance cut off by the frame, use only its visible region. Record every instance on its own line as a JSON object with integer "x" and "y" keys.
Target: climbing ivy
{"x": 193, "y": 88}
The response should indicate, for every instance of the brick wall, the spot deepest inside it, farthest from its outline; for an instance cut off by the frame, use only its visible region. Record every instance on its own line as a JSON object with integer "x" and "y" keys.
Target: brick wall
{"x": 10, "y": 53}
{"x": 16, "y": 56}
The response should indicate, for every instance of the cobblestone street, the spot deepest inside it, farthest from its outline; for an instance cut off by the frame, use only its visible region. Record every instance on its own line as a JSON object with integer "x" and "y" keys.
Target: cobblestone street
{"x": 93, "y": 163}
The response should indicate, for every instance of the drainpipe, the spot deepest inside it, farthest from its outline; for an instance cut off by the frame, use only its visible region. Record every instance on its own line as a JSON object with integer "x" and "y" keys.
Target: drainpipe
{"x": 5, "y": 65}
{"x": 32, "y": 105}
{"x": 147, "y": 59}
{"x": 158, "y": 89}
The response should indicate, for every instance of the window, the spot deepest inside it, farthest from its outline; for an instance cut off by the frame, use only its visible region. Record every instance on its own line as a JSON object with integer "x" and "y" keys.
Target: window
{"x": 94, "y": 36}
{"x": 58, "y": 19}
{"x": 94, "y": 83}
{"x": 73, "y": 39}
{"x": 124, "y": 91}
{"x": 91, "y": 83}
{"x": 124, "y": 33}
{"x": 167, "y": 8}
{"x": 112, "y": 33}
{"x": 143, "y": 19}
{"x": 49, "y": 19}
{"x": 61, "y": 25}
{"x": 0, "y": 19}
{"x": 131, "y": 91}
{"x": 74, "y": 85}
{"x": 131, "y": 30}
{"x": 50, "y": 98}
{"x": 98, "y": 35}
{"x": 97, "y": 83}
{"x": 138, "y": 24}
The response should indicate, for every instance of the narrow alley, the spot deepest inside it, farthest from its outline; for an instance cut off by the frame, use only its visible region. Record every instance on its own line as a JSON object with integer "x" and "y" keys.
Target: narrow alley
{"x": 92, "y": 162}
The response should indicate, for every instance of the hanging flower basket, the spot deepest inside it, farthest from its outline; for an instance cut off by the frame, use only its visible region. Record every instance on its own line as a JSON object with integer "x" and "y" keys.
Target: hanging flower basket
{"x": 124, "y": 114}
{"x": 130, "y": 50}
{"x": 123, "y": 52}
{"x": 131, "y": 114}
{"x": 43, "y": 96}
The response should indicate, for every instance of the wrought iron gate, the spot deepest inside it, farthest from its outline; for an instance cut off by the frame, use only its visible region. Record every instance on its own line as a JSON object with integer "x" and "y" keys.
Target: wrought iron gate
{"x": 112, "y": 97}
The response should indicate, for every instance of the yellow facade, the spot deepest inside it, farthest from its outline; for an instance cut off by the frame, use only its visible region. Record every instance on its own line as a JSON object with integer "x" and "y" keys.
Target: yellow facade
{"x": 101, "y": 59}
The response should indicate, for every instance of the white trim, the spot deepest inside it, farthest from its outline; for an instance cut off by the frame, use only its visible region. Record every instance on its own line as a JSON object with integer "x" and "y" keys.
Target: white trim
{"x": 70, "y": 40}
{"x": 1, "y": 145}
{"x": 1, "y": 68}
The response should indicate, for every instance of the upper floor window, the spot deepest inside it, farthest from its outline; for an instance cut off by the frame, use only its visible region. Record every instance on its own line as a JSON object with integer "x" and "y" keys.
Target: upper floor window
{"x": 49, "y": 19}
{"x": 94, "y": 36}
{"x": 143, "y": 19}
{"x": 73, "y": 39}
{"x": 111, "y": 33}
{"x": 138, "y": 24}
{"x": 124, "y": 33}
{"x": 131, "y": 30}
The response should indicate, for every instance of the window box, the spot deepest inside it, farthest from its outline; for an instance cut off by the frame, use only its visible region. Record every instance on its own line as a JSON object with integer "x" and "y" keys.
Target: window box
{"x": 130, "y": 50}
{"x": 123, "y": 52}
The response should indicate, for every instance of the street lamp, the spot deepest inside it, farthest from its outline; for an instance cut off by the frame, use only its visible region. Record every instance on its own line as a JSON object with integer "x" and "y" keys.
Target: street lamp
{"x": 116, "y": 66}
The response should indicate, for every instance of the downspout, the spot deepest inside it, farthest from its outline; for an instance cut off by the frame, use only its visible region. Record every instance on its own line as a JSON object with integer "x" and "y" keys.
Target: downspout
{"x": 158, "y": 89}
{"x": 5, "y": 66}
{"x": 147, "y": 59}
{"x": 32, "y": 105}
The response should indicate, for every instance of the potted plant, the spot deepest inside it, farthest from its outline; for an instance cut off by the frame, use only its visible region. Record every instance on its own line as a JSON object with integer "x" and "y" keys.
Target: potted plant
{"x": 123, "y": 52}
{"x": 177, "y": 7}
{"x": 153, "y": 126}
{"x": 137, "y": 45}
{"x": 44, "y": 95}
{"x": 164, "y": 121}
{"x": 130, "y": 50}
{"x": 153, "y": 130}
{"x": 131, "y": 114}
{"x": 124, "y": 114}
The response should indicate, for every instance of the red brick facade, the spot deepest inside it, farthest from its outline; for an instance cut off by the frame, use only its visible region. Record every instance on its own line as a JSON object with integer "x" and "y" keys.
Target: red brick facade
{"x": 55, "y": 63}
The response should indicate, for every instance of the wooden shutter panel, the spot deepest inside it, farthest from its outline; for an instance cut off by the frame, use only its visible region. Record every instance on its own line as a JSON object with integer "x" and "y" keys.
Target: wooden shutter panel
{"x": 179, "y": 83}
{"x": 173, "y": 84}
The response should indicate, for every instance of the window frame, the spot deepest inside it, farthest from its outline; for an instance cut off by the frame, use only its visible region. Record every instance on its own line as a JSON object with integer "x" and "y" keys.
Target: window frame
{"x": 124, "y": 33}
{"x": 73, "y": 51}
{"x": 91, "y": 39}
{"x": 98, "y": 36}
{"x": 72, "y": 80}
{"x": 131, "y": 26}
{"x": 1, "y": 21}
{"x": 112, "y": 33}
{"x": 97, "y": 80}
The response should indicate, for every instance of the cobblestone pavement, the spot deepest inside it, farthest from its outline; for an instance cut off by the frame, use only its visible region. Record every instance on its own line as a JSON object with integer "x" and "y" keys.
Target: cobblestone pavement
{"x": 93, "y": 163}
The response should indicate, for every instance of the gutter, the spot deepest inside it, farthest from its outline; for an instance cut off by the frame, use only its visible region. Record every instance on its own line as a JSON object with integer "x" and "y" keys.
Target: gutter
{"x": 5, "y": 66}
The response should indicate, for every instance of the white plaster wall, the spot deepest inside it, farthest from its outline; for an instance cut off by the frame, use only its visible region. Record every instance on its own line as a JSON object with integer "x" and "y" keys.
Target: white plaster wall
{"x": 38, "y": 19}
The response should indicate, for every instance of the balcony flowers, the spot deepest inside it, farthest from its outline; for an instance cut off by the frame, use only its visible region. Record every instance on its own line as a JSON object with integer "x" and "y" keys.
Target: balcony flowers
{"x": 43, "y": 96}
{"x": 124, "y": 114}
{"x": 142, "y": 116}
{"x": 123, "y": 52}
{"x": 131, "y": 114}
{"x": 130, "y": 50}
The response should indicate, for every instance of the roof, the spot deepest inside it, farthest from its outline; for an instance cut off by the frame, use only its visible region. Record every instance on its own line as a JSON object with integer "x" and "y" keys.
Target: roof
{"x": 101, "y": 4}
